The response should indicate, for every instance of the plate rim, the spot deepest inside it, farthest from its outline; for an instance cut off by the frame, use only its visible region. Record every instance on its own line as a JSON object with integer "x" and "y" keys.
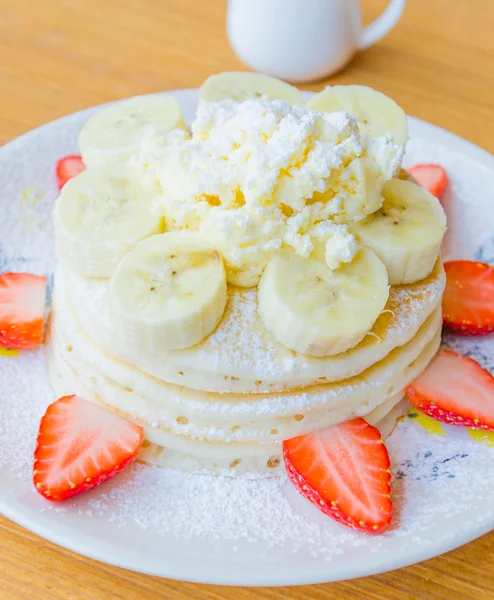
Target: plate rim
{"x": 236, "y": 575}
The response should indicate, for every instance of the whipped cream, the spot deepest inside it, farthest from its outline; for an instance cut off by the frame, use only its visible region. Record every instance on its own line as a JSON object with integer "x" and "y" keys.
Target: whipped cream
{"x": 341, "y": 245}
{"x": 259, "y": 175}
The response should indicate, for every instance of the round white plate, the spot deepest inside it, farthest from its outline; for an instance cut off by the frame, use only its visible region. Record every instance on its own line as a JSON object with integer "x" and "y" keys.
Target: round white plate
{"x": 241, "y": 532}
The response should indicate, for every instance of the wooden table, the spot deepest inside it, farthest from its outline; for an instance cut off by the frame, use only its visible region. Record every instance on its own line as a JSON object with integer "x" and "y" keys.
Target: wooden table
{"x": 58, "y": 56}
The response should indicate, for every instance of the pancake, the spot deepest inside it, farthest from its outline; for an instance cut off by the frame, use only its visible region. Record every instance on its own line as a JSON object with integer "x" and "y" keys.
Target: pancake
{"x": 235, "y": 417}
{"x": 241, "y": 355}
{"x": 190, "y": 453}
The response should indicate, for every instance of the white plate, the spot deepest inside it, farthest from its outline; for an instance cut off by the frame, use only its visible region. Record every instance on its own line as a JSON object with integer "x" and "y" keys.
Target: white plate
{"x": 241, "y": 532}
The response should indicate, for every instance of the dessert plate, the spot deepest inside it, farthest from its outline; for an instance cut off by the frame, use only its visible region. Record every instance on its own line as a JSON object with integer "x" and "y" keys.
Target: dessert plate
{"x": 243, "y": 531}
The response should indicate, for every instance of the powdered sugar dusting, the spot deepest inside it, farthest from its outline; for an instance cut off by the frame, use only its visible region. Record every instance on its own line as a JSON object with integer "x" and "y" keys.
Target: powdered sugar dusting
{"x": 23, "y": 400}
{"x": 407, "y": 303}
{"x": 238, "y": 341}
{"x": 449, "y": 475}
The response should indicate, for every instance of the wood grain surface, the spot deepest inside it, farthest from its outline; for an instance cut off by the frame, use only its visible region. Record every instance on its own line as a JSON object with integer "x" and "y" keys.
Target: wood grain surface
{"x": 59, "y": 56}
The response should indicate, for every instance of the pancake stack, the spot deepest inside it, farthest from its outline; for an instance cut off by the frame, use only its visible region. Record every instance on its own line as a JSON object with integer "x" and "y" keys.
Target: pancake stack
{"x": 229, "y": 401}
{"x": 223, "y": 401}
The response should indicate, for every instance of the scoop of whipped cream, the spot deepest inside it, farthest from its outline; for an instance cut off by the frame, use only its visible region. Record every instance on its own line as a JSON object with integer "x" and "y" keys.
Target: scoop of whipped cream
{"x": 341, "y": 245}
{"x": 259, "y": 175}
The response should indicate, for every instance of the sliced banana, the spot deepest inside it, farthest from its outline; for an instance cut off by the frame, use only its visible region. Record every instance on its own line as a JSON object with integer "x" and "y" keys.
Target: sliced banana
{"x": 375, "y": 112}
{"x": 100, "y": 215}
{"x": 406, "y": 232}
{"x": 314, "y": 310}
{"x": 245, "y": 277}
{"x": 406, "y": 176}
{"x": 247, "y": 86}
{"x": 168, "y": 293}
{"x": 115, "y": 133}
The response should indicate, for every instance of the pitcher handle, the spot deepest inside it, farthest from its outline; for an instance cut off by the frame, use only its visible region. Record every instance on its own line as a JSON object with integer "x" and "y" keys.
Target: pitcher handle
{"x": 383, "y": 24}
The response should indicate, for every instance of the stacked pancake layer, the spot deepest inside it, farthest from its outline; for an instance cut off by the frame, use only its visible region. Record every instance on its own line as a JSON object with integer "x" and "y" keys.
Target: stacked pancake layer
{"x": 226, "y": 404}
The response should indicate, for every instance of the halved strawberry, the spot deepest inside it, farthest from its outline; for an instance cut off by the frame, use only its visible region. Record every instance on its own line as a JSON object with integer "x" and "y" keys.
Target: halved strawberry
{"x": 432, "y": 177}
{"x": 468, "y": 301}
{"x": 22, "y": 308}
{"x": 344, "y": 471}
{"x": 68, "y": 167}
{"x": 455, "y": 389}
{"x": 79, "y": 446}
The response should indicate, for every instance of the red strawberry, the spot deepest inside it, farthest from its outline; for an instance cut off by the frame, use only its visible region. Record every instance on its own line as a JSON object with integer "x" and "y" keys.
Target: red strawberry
{"x": 22, "y": 308}
{"x": 344, "y": 471}
{"x": 468, "y": 301}
{"x": 81, "y": 445}
{"x": 455, "y": 389}
{"x": 432, "y": 177}
{"x": 68, "y": 167}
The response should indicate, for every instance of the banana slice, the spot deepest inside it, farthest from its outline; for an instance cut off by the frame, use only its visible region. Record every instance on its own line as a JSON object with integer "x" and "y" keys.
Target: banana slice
{"x": 100, "y": 215}
{"x": 168, "y": 293}
{"x": 406, "y": 232}
{"x": 314, "y": 310}
{"x": 376, "y": 114}
{"x": 247, "y": 86}
{"x": 115, "y": 133}
{"x": 406, "y": 176}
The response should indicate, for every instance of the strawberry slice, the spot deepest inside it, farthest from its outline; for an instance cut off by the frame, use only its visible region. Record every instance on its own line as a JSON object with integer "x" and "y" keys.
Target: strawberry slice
{"x": 344, "y": 471}
{"x": 81, "y": 445}
{"x": 432, "y": 177}
{"x": 22, "y": 308}
{"x": 68, "y": 167}
{"x": 468, "y": 301}
{"x": 455, "y": 389}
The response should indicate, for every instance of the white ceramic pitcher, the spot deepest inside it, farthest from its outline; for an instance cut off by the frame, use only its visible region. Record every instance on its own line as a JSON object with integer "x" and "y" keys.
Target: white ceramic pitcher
{"x": 303, "y": 40}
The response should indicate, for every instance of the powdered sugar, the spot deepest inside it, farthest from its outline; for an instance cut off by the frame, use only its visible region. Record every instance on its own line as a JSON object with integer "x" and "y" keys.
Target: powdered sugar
{"x": 450, "y": 475}
{"x": 407, "y": 305}
{"x": 261, "y": 510}
{"x": 239, "y": 341}
{"x": 25, "y": 394}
